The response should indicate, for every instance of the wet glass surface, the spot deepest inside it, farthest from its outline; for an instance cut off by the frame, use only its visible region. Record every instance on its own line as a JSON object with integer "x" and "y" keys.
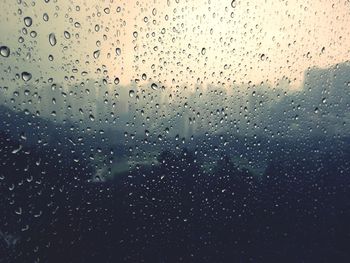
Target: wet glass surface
{"x": 174, "y": 131}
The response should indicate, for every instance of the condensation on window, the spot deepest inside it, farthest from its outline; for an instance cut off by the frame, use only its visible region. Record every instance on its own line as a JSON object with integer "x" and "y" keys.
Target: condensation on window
{"x": 174, "y": 131}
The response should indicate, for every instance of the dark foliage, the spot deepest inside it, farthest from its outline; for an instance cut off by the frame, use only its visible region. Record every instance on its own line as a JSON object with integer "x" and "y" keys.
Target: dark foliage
{"x": 175, "y": 211}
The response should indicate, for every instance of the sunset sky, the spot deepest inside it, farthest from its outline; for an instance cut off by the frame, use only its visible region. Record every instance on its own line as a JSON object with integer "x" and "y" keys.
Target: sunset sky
{"x": 176, "y": 42}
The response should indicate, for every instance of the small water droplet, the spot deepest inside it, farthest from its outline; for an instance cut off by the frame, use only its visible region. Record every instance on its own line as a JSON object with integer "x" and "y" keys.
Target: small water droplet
{"x": 131, "y": 93}
{"x": 33, "y": 34}
{"x": 233, "y": 3}
{"x": 154, "y": 11}
{"x": 18, "y": 211}
{"x": 28, "y": 21}
{"x": 106, "y": 10}
{"x": 26, "y": 76}
{"x": 97, "y": 54}
{"x": 154, "y": 86}
{"x": 4, "y": 51}
{"x": 66, "y": 34}
{"x": 17, "y": 150}
{"x": 45, "y": 17}
{"x": 118, "y": 51}
{"x": 52, "y": 39}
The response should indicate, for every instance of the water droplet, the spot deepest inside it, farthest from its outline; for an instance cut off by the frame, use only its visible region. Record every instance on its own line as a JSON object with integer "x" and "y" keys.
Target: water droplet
{"x": 118, "y": 51}
{"x": 28, "y": 21}
{"x": 17, "y": 150}
{"x": 154, "y": 11}
{"x": 203, "y": 51}
{"x": 26, "y": 76}
{"x": 12, "y": 187}
{"x": 144, "y": 76}
{"x": 116, "y": 81}
{"x": 52, "y": 39}
{"x": 4, "y": 51}
{"x": 131, "y": 93}
{"x": 154, "y": 86}
{"x": 33, "y": 34}
{"x": 97, "y": 54}
{"x": 18, "y": 211}
{"x": 106, "y": 10}
{"x": 233, "y": 3}
{"x": 66, "y": 34}
{"x": 45, "y": 17}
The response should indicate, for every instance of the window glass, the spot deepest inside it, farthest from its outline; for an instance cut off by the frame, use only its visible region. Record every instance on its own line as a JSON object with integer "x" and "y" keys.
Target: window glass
{"x": 174, "y": 131}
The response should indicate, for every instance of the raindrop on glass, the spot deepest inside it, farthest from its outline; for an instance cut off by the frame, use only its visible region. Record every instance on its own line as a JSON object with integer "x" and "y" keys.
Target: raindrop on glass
{"x": 45, "y": 17}
{"x": 28, "y": 21}
{"x": 233, "y": 3}
{"x": 52, "y": 39}
{"x": 66, "y": 34}
{"x": 26, "y": 76}
{"x": 4, "y": 51}
{"x": 97, "y": 54}
{"x": 154, "y": 86}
